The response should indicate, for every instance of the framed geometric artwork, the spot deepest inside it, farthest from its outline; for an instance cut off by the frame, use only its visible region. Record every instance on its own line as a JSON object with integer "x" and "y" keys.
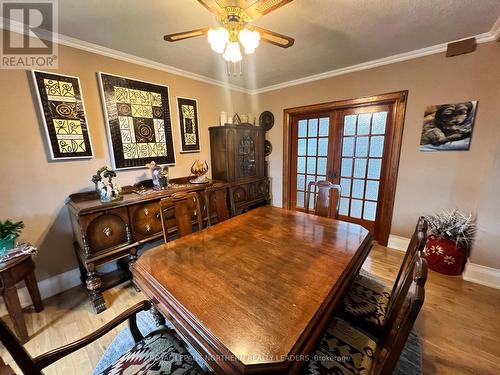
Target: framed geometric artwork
{"x": 188, "y": 122}
{"x": 61, "y": 106}
{"x": 137, "y": 121}
{"x": 448, "y": 127}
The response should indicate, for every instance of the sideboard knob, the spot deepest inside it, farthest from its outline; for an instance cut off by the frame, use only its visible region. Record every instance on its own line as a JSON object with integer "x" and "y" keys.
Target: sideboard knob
{"x": 146, "y": 211}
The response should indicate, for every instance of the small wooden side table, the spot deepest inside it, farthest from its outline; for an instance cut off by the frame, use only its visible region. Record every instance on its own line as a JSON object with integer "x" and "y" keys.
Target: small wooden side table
{"x": 11, "y": 273}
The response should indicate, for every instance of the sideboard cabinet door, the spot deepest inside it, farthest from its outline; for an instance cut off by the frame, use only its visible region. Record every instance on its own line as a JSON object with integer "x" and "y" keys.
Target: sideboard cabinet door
{"x": 106, "y": 230}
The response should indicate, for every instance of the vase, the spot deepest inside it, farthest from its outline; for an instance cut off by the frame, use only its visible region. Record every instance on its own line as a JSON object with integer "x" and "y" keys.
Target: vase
{"x": 445, "y": 256}
{"x": 159, "y": 175}
{"x": 223, "y": 118}
{"x": 6, "y": 244}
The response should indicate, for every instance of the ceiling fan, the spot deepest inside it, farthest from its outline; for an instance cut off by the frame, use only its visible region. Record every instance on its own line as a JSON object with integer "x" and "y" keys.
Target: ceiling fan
{"x": 234, "y": 16}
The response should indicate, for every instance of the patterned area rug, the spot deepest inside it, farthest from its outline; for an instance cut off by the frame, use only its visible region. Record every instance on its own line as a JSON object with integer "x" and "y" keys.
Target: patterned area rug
{"x": 410, "y": 362}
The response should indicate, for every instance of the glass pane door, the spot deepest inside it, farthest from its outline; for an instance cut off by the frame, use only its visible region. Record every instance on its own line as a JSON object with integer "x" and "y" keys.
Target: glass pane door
{"x": 363, "y": 138}
{"x": 312, "y": 145}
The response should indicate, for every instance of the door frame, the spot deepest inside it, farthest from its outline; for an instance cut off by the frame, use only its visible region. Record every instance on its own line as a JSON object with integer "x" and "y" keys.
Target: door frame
{"x": 398, "y": 101}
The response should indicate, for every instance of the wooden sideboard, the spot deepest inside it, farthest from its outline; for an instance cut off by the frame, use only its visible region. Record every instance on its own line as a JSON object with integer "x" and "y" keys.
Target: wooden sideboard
{"x": 107, "y": 232}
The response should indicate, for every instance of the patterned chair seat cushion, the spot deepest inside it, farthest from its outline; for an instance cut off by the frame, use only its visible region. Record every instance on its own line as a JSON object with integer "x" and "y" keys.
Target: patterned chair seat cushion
{"x": 159, "y": 353}
{"x": 343, "y": 350}
{"x": 365, "y": 305}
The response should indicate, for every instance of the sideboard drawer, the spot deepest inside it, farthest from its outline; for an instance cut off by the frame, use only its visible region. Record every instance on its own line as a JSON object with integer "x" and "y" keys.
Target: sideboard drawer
{"x": 146, "y": 220}
{"x": 106, "y": 230}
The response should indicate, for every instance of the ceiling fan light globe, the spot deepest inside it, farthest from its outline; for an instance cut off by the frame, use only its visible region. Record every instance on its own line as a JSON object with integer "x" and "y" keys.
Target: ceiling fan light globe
{"x": 218, "y": 39}
{"x": 249, "y": 40}
{"x": 232, "y": 52}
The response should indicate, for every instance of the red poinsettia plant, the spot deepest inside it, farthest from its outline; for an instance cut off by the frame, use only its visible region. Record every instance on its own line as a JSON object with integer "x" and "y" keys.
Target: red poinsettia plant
{"x": 450, "y": 238}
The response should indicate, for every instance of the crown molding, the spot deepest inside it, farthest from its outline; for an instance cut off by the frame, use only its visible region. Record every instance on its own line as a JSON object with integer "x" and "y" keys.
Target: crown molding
{"x": 490, "y": 36}
{"x": 68, "y": 41}
{"x": 495, "y": 30}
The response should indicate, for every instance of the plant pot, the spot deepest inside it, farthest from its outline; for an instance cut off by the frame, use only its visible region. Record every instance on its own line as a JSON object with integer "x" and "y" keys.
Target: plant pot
{"x": 445, "y": 256}
{"x": 6, "y": 244}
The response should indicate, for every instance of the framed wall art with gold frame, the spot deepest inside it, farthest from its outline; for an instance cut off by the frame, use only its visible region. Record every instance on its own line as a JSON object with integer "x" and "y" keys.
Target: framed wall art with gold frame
{"x": 137, "y": 115}
{"x": 188, "y": 124}
{"x": 61, "y": 106}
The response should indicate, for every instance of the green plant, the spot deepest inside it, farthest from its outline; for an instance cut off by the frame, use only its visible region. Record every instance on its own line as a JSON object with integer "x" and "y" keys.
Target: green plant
{"x": 10, "y": 230}
{"x": 454, "y": 225}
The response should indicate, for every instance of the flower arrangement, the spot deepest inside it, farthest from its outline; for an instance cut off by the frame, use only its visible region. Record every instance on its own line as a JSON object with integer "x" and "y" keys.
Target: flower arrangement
{"x": 453, "y": 225}
{"x": 107, "y": 190}
{"x": 449, "y": 241}
{"x": 9, "y": 231}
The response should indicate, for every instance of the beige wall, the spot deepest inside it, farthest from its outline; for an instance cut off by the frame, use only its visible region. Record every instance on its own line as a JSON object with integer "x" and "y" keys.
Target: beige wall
{"x": 427, "y": 182}
{"x": 34, "y": 189}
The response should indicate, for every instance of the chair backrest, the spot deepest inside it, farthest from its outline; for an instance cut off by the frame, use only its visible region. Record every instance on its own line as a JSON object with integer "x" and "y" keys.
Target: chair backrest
{"x": 181, "y": 210}
{"x": 216, "y": 198}
{"x": 17, "y": 351}
{"x": 327, "y": 198}
{"x": 400, "y": 322}
{"x": 417, "y": 244}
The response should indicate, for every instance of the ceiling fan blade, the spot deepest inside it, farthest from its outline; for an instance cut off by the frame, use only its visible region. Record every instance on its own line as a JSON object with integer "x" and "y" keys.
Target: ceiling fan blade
{"x": 185, "y": 35}
{"x": 277, "y": 39}
{"x": 213, "y": 6}
{"x": 258, "y": 8}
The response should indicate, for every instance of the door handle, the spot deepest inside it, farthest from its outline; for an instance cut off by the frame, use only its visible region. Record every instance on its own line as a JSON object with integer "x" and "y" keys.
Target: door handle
{"x": 332, "y": 175}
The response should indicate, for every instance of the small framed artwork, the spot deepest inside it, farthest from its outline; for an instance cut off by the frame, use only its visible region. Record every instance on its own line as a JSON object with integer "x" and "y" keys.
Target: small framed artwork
{"x": 61, "y": 106}
{"x": 448, "y": 127}
{"x": 188, "y": 123}
{"x": 138, "y": 122}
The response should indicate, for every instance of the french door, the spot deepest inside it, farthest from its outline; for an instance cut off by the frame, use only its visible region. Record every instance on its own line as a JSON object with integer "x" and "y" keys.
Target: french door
{"x": 352, "y": 146}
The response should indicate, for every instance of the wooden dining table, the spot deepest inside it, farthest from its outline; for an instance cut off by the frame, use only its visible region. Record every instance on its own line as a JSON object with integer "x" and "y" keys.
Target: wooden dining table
{"x": 253, "y": 294}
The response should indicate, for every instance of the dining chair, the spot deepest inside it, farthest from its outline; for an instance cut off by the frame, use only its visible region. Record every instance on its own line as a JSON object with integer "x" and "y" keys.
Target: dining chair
{"x": 216, "y": 199}
{"x": 326, "y": 198}
{"x": 181, "y": 210}
{"x": 160, "y": 349}
{"x": 369, "y": 300}
{"x": 345, "y": 349}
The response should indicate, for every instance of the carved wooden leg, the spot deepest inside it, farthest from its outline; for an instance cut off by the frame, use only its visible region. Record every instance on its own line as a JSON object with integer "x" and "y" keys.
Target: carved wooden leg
{"x": 159, "y": 319}
{"x": 132, "y": 257}
{"x": 15, "y": 312}
{"x": 93, "y": 283}
{"x": 32, "y": 286}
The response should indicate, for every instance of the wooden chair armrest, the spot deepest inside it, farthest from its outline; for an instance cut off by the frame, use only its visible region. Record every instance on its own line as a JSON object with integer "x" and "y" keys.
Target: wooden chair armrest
{"x": 5, "y": 369}
{"x": 48, "y": 358}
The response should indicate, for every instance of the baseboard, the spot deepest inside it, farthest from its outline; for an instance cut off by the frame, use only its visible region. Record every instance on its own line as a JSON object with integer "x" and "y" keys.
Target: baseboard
{"x": 54, "y": 285}
{"x": 482, "y": 275}
{"x": 48, "y": 287}
{"x": 474, "y": 273}
{"x": 398, "y": 242}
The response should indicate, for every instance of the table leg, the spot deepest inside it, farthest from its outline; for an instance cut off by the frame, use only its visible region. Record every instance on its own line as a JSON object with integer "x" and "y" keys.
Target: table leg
{"x": 15, "y": 312}
{"x": 32, "y": 286}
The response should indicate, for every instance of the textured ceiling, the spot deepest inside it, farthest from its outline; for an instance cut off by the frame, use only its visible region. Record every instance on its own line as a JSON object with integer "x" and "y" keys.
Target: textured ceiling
{"x": 329, "y": 34}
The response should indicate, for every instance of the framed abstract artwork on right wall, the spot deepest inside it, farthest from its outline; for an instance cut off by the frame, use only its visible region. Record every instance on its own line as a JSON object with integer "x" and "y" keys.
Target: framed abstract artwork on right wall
{"x": 188, "y": 123}
{"x": 448, "y": 127}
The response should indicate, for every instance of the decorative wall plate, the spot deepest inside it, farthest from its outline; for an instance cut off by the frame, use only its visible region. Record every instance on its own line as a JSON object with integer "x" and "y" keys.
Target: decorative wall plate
{"x": 268, "y": 147}
{"x": 266, "y": 120}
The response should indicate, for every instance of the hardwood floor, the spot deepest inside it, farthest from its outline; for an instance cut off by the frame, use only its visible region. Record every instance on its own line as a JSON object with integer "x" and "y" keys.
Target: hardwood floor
{"x": 459, "y": 324}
